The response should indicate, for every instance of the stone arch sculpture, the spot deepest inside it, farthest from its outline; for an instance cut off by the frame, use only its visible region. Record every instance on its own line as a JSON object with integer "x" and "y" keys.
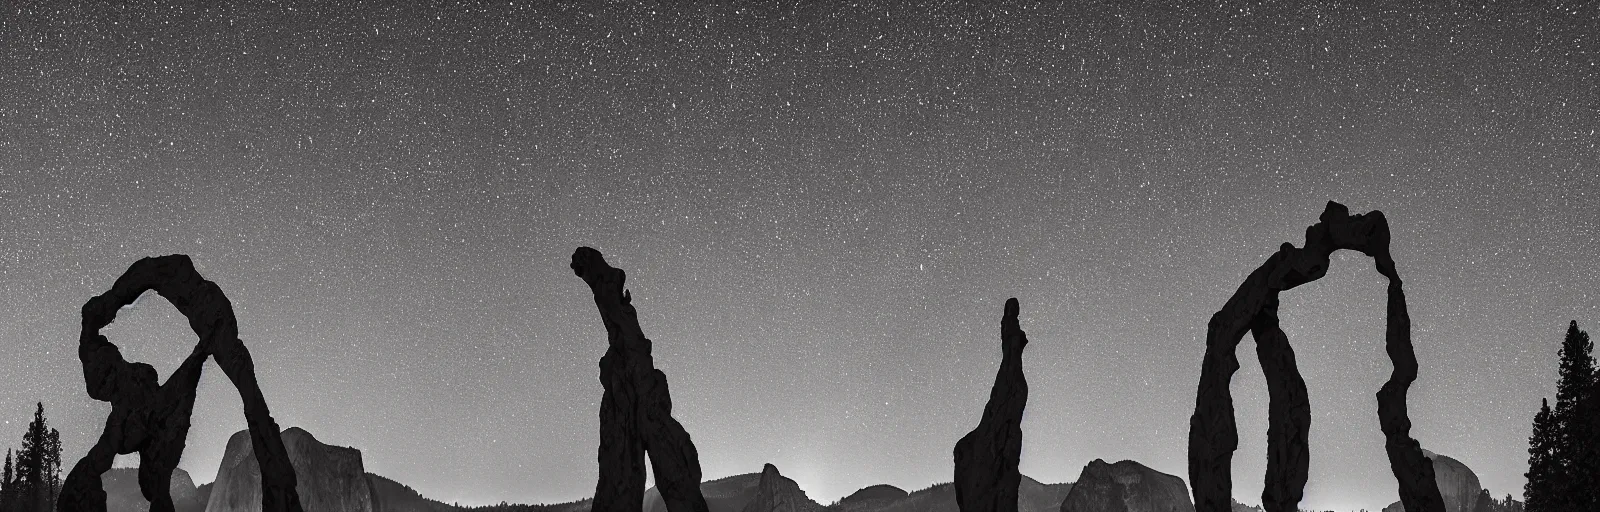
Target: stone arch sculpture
{"x": 1213, "y": 435}
{"x": 153, "y": 420}
{"x": 636, "y": 409}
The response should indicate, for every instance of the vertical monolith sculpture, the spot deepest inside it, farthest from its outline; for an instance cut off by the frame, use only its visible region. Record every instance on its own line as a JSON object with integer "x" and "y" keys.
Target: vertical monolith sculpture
{"x": 153, "y": 419}
{"x": 986, "y": 476}
{"x": 636, "y": 409}
{"x": 1213, "y": 434}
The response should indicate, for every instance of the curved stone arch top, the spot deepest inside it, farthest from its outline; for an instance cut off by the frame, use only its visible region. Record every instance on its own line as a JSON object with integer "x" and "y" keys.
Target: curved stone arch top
{"x": 152, "y": 419}
{"x": 1213, "y": 434}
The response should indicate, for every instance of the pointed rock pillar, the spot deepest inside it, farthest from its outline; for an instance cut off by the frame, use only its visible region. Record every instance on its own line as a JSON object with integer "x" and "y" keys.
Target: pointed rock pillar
{"x": 636, "y": 409}
{"x": 986, "y": 476}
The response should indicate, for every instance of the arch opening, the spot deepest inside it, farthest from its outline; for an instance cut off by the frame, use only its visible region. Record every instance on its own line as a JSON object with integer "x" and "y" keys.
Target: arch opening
{"x": 151, "y": 417}
{"x": 1253, "y": 309}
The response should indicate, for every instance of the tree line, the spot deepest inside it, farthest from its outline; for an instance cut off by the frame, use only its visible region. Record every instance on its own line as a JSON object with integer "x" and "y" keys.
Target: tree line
{"x": 1564, "y": 450}
{"x": 32, "y": 474}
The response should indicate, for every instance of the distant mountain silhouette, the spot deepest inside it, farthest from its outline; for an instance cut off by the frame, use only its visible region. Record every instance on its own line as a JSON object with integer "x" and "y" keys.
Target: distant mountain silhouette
{"x": 328, "y": 478}
{"x": 727, "y": 494}
{"x": 1457, "y": 483}
{"x": 1240, "y": 507}
{"x": 735, "y": 493}
{"x": 1126, "y": 486}
{"x": 123, "y": 495}
{"x": 935, "y": 498}
{"x": 1032, "y": 496}
{"x": 767, "y": 491}
{"x": 871, "y": 497}
{"x": 391, "y": 496}
{"x": 777, "y": 493}
{"x": 337, "y": 467}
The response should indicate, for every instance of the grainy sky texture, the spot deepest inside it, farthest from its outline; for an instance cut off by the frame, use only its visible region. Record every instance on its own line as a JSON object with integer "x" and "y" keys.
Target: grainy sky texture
{"x": 822, "y": 209}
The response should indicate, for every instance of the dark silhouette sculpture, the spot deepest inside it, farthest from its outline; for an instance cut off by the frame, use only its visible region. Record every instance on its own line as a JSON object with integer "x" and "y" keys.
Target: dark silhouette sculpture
{"x": 636, "y": 410}
{"x": 1213, "y": 435}
{"x": 152, "y": 419}
{"x": 986, "y": 476}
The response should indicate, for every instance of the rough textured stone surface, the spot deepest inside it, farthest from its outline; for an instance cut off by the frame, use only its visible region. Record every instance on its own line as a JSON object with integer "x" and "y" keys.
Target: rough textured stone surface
{"x": 636, "y": 409}
{"x": 331, "y": 478}
{"x": 1458, "y": 485}
{"x": 123, "y": 494}
{"x": 1126, "y": 486}
{"x": 986, "y": 476}
{"x": 153, "y": 419}
{"x": 777, "y": 493}
{"x": 1213, "y": 434}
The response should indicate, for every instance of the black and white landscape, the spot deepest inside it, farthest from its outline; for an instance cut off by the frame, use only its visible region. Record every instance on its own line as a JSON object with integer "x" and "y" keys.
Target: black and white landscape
{"x": 822, "y": 210}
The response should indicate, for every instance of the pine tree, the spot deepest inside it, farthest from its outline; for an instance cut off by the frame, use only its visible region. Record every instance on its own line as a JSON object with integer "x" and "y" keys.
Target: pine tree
{"x": 1510, "y": 504}
{"x": 7, "y": 489}
{"x": 1537, "y": 491}
{"x": 1585, "y": 437}
{"x": 1577, "y": 376}
{"x": 32, "y": 464}
{"x": 1572, "y": 436}
{"x": 36, "y": 477}
{"x": 1485, "y": 502}
{"x": 1563, "y": 466}
{"x": 53, "y": 466}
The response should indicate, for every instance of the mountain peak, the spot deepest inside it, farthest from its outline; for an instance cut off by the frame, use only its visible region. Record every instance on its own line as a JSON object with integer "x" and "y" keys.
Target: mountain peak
{"x": 776, "y": 493}
{"x": 1126, "y": 485}
{"x": 330, "y": 477}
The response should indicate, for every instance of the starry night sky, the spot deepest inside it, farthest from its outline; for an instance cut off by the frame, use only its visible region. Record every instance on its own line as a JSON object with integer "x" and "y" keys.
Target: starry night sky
{"x": 822, "y": 209}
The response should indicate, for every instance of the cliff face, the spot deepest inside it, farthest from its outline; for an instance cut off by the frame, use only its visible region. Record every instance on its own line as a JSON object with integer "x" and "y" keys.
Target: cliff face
{"x": 123, "y": 494}
{"x": 1126, "y": 486}
{"x": 777, "y": 493}
{"x": 328, "y": 478}
{"x": 1458, "y": 484}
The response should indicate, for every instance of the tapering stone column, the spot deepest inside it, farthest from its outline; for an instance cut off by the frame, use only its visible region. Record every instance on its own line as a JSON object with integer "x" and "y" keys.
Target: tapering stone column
{"x": 986, "y": 476}
{"x": 636, "y": 409}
